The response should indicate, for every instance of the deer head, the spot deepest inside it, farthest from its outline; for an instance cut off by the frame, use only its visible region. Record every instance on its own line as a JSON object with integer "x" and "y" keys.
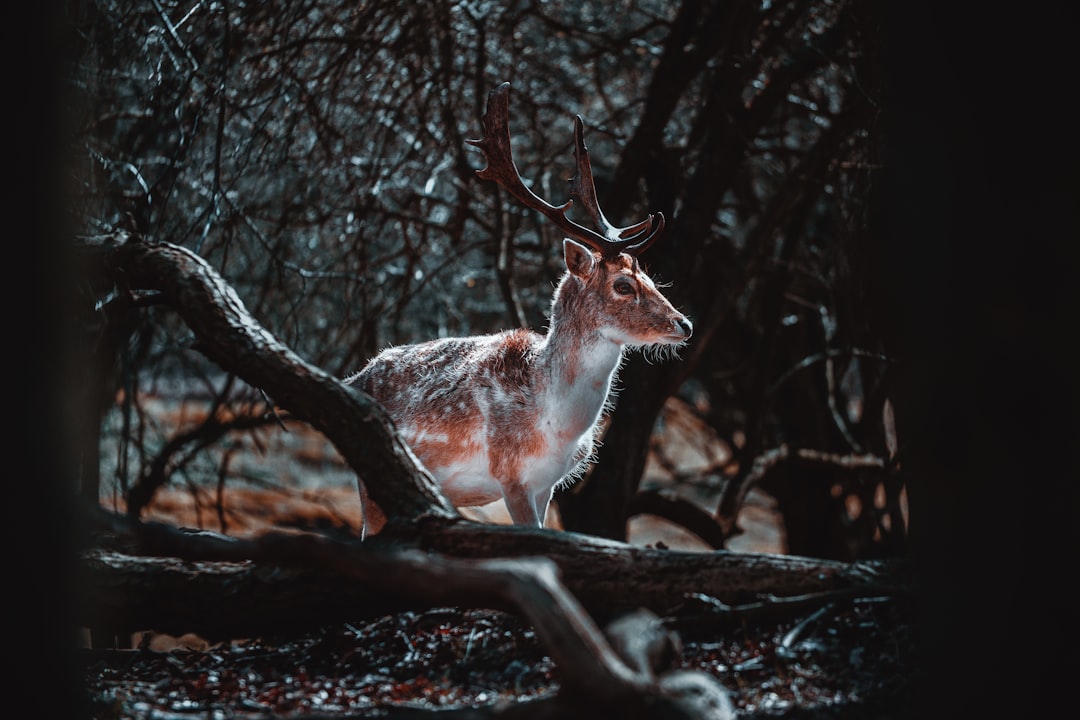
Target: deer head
{"x": 612, "y": 280}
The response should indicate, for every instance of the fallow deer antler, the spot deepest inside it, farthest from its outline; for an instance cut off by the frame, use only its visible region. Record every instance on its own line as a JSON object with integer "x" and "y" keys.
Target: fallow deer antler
{"x": 495, "y": 144}
{"x": 633, "y": 239}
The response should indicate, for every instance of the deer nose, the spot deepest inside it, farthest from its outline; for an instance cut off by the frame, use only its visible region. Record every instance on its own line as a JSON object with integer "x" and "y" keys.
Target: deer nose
{"x": 684, "y": 326}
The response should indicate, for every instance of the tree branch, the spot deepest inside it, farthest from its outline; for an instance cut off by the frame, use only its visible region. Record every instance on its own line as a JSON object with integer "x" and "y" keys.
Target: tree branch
{"x": 230, "y": 336}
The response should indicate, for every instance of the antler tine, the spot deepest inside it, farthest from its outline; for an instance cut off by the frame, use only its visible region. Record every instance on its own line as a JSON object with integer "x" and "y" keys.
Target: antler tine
{"x": 632, "y": 239}
{"x": 640, "y": 246}
{"x": 501, "y": 169}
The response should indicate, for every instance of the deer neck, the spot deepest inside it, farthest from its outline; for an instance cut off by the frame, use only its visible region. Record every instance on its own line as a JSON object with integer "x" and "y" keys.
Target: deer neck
{"x": 581, "y": 363}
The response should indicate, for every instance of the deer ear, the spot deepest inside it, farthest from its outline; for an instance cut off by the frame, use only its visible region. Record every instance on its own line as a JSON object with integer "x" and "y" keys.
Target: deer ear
{"x": 580, "y": 260}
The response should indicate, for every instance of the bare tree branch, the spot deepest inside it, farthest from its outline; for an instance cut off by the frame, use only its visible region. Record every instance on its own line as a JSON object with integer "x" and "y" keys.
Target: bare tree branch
{"x": 228, "y": 334}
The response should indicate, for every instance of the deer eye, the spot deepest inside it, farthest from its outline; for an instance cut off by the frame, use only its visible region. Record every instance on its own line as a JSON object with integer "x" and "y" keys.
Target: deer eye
{"x": 624, "y": 286}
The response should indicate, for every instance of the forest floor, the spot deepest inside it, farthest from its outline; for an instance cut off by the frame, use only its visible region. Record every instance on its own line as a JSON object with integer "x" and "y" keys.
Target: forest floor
{"x": 851, "y": 658}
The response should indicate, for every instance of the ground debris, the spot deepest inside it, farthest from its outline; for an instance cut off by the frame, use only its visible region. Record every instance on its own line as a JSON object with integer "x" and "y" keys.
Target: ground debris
{"x": 856, "y": 654}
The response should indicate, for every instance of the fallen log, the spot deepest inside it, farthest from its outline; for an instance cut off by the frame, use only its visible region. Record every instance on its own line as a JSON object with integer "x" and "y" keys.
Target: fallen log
{"x": 175, "y": 581}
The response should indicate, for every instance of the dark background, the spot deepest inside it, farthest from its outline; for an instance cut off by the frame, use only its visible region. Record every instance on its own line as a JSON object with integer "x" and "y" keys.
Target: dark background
{"x": 985, "y": 192}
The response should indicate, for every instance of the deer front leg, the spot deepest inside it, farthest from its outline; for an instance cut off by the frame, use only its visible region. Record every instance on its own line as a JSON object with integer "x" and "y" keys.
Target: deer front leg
{"x": 525, "y": 507}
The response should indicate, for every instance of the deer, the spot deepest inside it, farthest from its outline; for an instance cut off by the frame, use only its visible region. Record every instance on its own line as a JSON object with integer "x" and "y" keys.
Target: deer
{"x": 515, "y": 415}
